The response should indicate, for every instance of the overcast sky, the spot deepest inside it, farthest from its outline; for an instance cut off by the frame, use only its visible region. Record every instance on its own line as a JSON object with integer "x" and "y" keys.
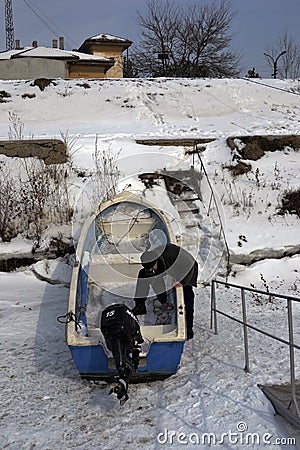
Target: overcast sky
{"x": 257, "y": 26}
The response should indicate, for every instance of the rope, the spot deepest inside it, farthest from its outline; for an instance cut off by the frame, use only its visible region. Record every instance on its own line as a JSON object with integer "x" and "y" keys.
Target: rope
{"x": 269, "y": 86}
{"x": 67, "y": 318}
{"x": 71, "y": 317}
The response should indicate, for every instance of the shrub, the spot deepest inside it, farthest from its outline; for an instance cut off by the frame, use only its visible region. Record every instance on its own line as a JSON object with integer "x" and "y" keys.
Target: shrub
{"x": 239, "y": 169}
{"x": 4, "y": 96}
{"x": 107, "y": 173}
{"x": 42, "y": 83}
{"x": 32, "y": 196}
{"x": 28, "y": 95}
{"x": 290, "y": 202}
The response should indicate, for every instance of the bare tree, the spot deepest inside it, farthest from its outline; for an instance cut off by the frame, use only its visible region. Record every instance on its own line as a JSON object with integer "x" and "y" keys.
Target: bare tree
{"x": 186, "y": 42}
{"x": 290, "y": 67}
{"x": 284, "y": 57}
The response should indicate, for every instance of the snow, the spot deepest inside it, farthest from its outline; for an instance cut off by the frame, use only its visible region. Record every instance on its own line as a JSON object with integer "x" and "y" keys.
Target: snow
{"x": 46, "y": 52}
{"x": 9, "y": 53}
{"x": 107, "y": 37}
{"x": 44, "y": 403}
{"x": 16, "y": 246}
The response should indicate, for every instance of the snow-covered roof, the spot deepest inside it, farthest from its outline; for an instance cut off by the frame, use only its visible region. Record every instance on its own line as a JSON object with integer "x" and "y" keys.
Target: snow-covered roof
{"x": 108, "y": 37}
{"x": 89, "y": 57}
{"x": 44, "y": 52}
{"x": 9, "y": 53}
{"x": 105, "y": 39}
{"x": 55, "y": 53}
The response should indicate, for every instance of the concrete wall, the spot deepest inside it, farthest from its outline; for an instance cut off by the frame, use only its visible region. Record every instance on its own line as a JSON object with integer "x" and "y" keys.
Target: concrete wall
{"x": 110, "y": 51}
{"x": 52, "y": 151}
{"x": 86, "y": 71}
{"x": 31, "y": 68}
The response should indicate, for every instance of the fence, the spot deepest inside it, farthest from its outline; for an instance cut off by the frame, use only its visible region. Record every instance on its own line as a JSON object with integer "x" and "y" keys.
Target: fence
{"x": 243, "y": 321}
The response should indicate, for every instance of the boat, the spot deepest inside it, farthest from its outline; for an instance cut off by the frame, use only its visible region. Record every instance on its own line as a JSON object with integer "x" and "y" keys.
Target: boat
{"x": 105, "y": 272}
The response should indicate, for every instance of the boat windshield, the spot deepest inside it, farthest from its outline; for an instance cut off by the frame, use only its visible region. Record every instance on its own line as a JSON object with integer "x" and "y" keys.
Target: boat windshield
{"x": 128, "y": 227}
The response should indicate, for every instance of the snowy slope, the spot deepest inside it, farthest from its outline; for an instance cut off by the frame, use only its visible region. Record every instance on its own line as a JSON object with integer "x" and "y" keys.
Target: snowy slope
{"x": 44, "y": 403}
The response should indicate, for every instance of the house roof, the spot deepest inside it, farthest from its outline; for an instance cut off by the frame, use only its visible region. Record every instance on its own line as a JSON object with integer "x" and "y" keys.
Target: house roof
{"x": 54, "y": 53}
{"x": 43, "y": 52}
{"x": 8, "y": 54}
{"x": 104, "y": 39}
{"x": 109, "y": 38}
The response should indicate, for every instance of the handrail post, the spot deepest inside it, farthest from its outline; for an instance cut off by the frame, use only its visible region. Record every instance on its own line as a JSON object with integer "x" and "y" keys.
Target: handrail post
{"x": 210, "y": 202}
{"x": 213, "y": 312}
{"x": 246, "y": 346}
{"x": 289, "y": 342}
{"x": 292, "y": 357}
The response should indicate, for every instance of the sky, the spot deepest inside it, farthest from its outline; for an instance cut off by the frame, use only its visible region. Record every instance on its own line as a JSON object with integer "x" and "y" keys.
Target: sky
{"x": 255, "y": 29}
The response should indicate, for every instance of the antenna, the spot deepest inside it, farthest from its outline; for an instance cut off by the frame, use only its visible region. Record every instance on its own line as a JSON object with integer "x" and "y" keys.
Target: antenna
{"x": 9, "y": 26}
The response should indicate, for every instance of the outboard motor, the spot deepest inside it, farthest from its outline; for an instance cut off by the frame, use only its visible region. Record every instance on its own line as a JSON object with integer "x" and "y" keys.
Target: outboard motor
{"x": 122, "y": 334}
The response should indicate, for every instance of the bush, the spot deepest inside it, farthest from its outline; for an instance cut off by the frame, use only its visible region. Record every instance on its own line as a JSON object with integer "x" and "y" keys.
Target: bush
{"x": 4, "y": 96}
{"x": 32, "y": 196}
{"x": 42, "y": 83}
{"x": 290, "y": 202}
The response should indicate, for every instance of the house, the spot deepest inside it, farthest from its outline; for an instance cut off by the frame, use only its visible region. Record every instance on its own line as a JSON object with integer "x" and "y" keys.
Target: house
{"x": 98, "y": 57}
{"x": 44, "y": 62}
{"x": 108, "y": 46}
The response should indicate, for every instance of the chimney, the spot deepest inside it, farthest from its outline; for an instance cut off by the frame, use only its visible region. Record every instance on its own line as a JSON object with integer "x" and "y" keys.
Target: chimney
{"x": 34, "y": 44}
{"x": 54, "y": 43}
{"x": 18, "y": 46}
{"x": 61, "y": 43}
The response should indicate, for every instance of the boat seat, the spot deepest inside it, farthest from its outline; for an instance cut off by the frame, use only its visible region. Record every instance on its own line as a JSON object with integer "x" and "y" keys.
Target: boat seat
{"x": 133, "y": 229}
{"x": 114, "y": 268}
{"x": 150, "y": 333}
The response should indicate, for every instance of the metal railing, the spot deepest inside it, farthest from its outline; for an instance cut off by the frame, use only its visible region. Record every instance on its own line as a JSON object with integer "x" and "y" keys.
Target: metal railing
{"x": 213, "y": 201}
{"x": 243, "y": 321}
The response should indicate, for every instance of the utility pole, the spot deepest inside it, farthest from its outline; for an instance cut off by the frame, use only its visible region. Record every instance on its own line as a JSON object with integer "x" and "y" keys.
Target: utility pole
{"x": 163, "y": 56}
{"x": 9, "y": 26}
{"x": 274, "y": 61}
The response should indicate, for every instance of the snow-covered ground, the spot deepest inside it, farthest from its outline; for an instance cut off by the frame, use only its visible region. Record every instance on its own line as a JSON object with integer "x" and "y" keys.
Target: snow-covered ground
{"x": 211, "y": 401}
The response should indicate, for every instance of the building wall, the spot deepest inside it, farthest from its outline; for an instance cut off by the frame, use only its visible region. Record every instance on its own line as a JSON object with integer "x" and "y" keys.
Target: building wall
{"x": 85, "y": 71}
{"x": 110, "y": 51}
{"x": 31, "y": 68}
